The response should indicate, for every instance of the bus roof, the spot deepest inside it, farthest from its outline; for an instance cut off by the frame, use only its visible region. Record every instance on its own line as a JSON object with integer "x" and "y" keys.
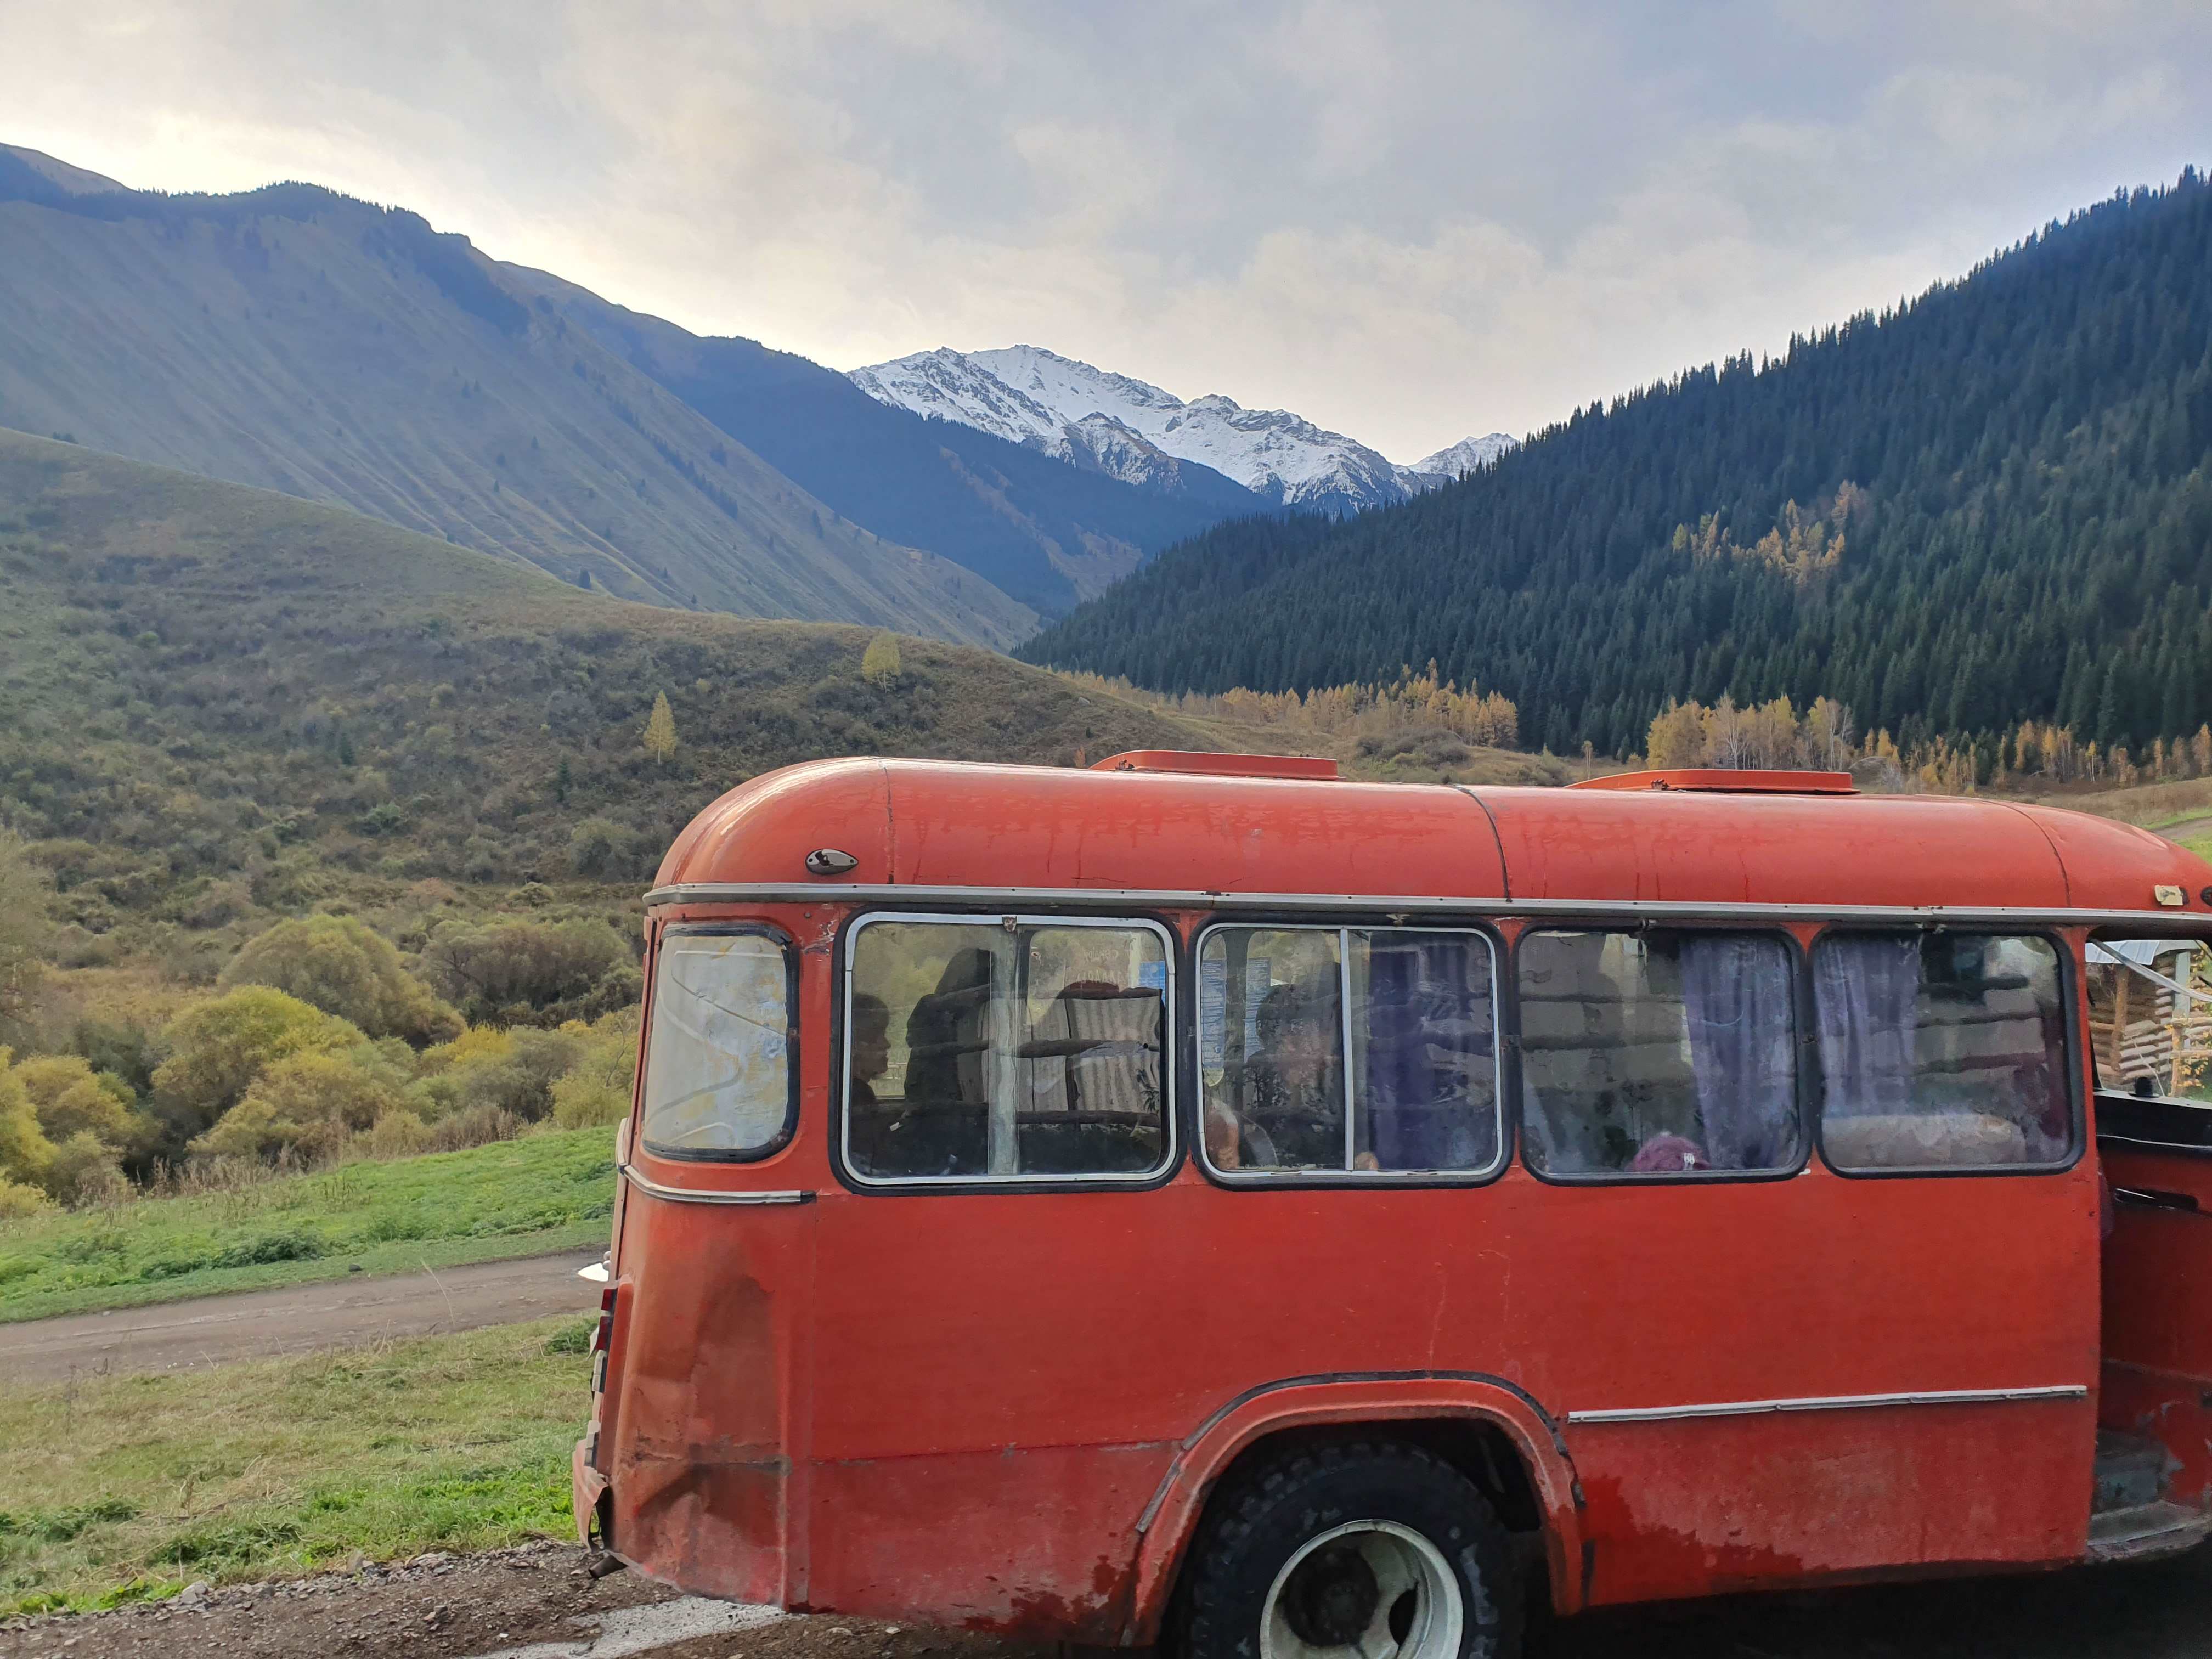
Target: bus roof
{"x": 942, "y": 824}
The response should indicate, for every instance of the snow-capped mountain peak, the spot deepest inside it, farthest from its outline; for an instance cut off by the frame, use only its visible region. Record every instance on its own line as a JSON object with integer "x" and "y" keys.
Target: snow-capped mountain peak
{"x": 1133, "y": 429}
{"x": 1467, "y": 455}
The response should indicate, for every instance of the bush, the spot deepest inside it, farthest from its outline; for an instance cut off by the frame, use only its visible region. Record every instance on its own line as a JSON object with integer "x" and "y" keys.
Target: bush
{"x": 19, "y": 1202}
{"x": 597, "y": 1088}
{"x": 343, "y": 967}
{"x": 480, "y": 1126}
{"x": 399, "y": 1133}
{"x": 217, "y": 1049}
{"x": 121, "y": 1046}
{"x": 85, "y": 1171}
{"x": 523, "y": 972}
{"x": 70, "y": 1098}
{"x": 25, "y": 1155}
{"x": 309, "y": 1104}
{"x": 25, "y": 928}
{"x": 595, "y": 845}
{"x": 515, "y": 1076}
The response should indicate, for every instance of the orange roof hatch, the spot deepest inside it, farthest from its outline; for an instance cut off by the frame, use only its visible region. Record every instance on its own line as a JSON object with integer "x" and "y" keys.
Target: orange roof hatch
{"x": 1230, "y": 766}
{"x": 1718, "y": 780}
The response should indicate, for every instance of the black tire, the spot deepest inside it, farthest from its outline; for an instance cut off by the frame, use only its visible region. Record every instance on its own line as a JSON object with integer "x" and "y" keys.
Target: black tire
{"x": 1255, "y": 1530}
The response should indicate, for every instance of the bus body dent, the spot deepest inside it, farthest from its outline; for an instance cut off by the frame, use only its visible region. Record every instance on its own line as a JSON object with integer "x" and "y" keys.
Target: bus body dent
{"x": 792, "y": 1412}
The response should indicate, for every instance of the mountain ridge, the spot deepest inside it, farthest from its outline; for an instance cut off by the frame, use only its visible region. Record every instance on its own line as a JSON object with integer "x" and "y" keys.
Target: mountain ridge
{"x": 295, "y": 339}
{"x": 1075, "y": 411}
{"x": 1048, "y": 533}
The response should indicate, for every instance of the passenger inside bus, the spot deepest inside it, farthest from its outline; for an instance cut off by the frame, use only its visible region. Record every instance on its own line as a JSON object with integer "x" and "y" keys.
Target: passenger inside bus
{"x": 1419, "y": 1048}
{"x": 1658, "y": 1052}
{"x": 1035, "y": 1051}
{"x": 1292, "y": 1094}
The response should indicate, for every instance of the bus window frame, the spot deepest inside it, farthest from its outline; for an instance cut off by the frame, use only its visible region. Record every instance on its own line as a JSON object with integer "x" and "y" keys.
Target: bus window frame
{"x": 2069, "y": 1002}
{"x": 1503, "y": 1037}
{"x": 1803, "y": 1075}
{"x": 793, "y": 1020}
{"x": 840, "y": 1087}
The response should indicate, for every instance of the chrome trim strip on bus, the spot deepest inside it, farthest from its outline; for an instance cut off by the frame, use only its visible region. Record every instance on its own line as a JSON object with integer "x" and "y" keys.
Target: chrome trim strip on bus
{"x": 652, "y": 1188}
{"x": 1832, "y": 1402}
{"x": 1140, "y": 898}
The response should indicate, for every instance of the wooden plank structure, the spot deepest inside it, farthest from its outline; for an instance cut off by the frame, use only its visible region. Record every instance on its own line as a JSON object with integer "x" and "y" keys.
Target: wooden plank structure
{"x": 2142, "y": 1028}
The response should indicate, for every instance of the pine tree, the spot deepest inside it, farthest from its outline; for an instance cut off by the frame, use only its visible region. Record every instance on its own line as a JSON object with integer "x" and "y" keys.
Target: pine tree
{"x": 660, "y": 731}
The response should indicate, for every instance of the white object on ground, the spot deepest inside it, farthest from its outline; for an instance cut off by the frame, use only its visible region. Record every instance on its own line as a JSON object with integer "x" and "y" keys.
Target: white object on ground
{"x": 641, "y": 1630}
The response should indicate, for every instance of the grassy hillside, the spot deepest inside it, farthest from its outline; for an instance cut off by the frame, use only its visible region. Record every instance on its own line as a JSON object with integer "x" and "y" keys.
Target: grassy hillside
{"x": 302, "y": 342}
{"x": 215, "y": 701}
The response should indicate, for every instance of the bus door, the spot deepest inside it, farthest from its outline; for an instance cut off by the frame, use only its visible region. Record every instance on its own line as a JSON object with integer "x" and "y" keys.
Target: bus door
{"x": 1824, "y": 1248}
{"x": 2150, "y": 1029}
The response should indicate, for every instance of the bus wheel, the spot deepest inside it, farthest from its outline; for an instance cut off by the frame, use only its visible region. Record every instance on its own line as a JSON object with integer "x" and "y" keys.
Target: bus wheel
{"x": 1370, "y": 1550}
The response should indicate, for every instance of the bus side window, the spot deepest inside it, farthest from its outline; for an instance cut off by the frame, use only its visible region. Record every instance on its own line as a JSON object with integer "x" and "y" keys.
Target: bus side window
{"x": 981, "y": 1048}
{"x": 1662, "y": 1052}
{"x": 1942, "y": 1050}
{"x": 1297, "y": 1024}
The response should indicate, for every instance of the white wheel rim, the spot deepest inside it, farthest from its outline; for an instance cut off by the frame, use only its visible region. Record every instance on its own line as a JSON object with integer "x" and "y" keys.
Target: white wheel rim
{"x": 1398, "y": 1579}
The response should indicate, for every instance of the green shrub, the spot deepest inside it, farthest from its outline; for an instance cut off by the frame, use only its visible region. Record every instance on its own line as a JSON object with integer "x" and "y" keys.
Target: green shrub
{"x": 541, "y": 972}
{"x": 598, "y": 1086}
{"x": 25, "y": 928}
{"x": 593, "y": 847}
{"x": 399, "y": 1132}
{"x": 85, "y": 1170}
{"x": 344, "y": 967}
{"x": 26, "y": 1154}
{"x": 575, "y": 1338}
{"x": 19, "y": 1200}
{"x": 72, "y": 1098}
{"x": 217, "y": 1049}
{"x": 307, "y": 1103}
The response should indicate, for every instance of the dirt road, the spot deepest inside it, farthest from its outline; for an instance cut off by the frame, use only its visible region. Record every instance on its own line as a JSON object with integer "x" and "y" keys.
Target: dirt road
{"x": 299, "y": 1318}
{"x": 538, "y": 1603}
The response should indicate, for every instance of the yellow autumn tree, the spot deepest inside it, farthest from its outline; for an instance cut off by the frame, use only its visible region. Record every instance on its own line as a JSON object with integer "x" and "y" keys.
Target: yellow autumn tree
{"x": 879, "y": 663}
{"x": 660, "y": 731}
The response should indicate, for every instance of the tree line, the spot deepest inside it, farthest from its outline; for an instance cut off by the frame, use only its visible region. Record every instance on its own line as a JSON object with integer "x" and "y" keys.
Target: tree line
{"x": 1990, "y": 505}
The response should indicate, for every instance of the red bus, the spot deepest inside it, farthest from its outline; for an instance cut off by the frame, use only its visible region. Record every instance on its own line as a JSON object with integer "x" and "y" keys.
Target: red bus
{"x": 1195, "y": 1199}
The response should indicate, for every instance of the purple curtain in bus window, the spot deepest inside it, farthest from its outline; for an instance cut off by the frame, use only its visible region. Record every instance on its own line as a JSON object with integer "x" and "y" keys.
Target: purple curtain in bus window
{"x": 1430, "y": 1099}
{"x": 1865, "y": 990}
{"x": 1739, "y": 999}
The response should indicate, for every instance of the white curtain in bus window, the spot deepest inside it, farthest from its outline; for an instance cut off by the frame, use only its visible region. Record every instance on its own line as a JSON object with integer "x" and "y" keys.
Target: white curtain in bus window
{"x": 718, "y": 1056}
{"x": 1940, "y": 1050}
{"x": 978, "y": 1051}
{"x": 1662, "y": 1052}
{"x": 1281, "y": 1010}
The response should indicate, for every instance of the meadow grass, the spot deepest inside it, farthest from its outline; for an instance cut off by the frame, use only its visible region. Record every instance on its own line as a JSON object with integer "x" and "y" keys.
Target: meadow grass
{"x": 128, "y": 1488}
{"x": 552, "y": 1190}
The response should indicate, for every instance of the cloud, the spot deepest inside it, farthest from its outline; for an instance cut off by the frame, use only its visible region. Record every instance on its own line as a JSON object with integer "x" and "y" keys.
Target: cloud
{"x": 1409, "y": 221}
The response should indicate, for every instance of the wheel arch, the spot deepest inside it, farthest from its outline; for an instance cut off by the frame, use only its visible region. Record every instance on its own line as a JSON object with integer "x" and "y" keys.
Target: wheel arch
{"x": 1465, "y": 1419}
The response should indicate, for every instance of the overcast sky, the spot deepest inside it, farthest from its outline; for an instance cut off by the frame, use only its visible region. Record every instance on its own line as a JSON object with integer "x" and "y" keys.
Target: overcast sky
{"x": 1408, "y": 221}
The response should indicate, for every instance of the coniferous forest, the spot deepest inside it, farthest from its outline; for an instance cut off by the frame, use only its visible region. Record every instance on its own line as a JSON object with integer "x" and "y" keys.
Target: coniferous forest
{"x": 1992, "y": 505}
